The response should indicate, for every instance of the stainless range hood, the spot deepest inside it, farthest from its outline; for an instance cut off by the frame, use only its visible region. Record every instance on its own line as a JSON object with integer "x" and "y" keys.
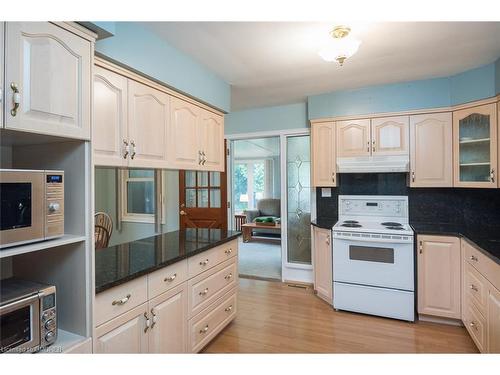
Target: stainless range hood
{"x": 373, "y": 164}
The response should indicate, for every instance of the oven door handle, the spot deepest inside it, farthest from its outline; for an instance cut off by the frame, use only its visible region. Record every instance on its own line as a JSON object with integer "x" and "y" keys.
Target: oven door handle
{"x": 373, "y": 240}
{"x": 18, "y": 303}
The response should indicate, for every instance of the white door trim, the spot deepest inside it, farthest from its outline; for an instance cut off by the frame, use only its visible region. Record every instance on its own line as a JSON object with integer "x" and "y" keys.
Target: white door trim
{"x": 267, "y": 134}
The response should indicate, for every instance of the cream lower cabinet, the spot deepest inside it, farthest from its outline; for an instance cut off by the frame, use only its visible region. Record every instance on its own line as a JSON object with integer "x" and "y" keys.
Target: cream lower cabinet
{"x": 431, "y": 150}
{"x": 48, "y": 74}
{"x": 439, "y": 275}
{"x": 323, "y": 152}
{"x": 493, "y": 320}
{"x": 322, "y": 263}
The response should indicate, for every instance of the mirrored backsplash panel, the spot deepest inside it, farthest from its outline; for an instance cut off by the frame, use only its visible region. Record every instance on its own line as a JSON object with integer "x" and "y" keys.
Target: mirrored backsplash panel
{"x": 131, "y": 202}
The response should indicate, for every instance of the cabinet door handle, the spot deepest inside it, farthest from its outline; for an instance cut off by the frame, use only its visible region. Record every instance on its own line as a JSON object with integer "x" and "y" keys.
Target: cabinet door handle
{"x": 153, "y": 318}
{"x": 373, "y": 146}
{"x": 473, "y": 258}
{"x": 170, "y": 278}
{"x": 420, "y": 247}
{"x": 228, "y": 277}
{"x": 228, "y": 251}
{"x": 492, "y": 175}
{"x": 122, "y": 301}
{"x": 229, "y": 308}
{"x": 328, "y": 240}
{"x": 204, "y": 292}
{"x": 132, "y": 143}
{"x": 127, "y": 148}
{"x": 333, "y": 177}
{"x": 473, "y": 325}
{"x": 148, "y": 322}
{"x": 200, "y": 157}
{"x": 473, "y": 287}
{"x": 368, "y": 146}
{"x": 204, "y": 262}
{"x": 16, "y": 99}
{"x": 412, "y": 176}
{"x": 204, "y": 330}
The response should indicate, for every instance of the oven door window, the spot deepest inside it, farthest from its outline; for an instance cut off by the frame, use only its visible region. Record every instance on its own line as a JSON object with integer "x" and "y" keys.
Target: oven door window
{"x": 15, "y": 208}
{"x": 15, "y": 328}
{"x": 371, "y": 254}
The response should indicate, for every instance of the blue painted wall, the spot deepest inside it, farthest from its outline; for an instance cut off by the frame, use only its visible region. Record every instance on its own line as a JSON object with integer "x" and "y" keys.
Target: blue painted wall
{"x": 141, "y": 49}
{"x": 468, "y": 86}
{"x": 291, "y": 116}
{"x": 497, "y": 76}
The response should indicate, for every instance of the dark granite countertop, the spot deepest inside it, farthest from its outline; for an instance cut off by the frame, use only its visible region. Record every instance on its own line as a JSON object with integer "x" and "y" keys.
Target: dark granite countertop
{"x": 485, "y": 239}
{"x": 324, "y": 222}
{"x": 118, "y": 264}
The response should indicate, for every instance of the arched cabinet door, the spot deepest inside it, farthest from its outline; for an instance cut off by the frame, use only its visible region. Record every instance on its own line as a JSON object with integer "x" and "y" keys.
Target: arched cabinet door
{"x": 183, "y": 151}
{"x": 324, "y": 167}
{"x": 48, "y": 80}
{"x": 353, "y": 138}
{"x": 148, "y": 117}
{"x": 390, "y": 136}
{"x": 211, "y": 140}
{"x": 109, "y": 130}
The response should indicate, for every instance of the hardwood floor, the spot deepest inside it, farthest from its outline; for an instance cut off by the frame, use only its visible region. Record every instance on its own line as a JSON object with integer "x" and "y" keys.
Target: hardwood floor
{"x": 276, "y": 318}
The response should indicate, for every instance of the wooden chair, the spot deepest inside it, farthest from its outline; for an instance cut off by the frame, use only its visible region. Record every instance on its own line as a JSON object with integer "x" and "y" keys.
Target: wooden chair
{"x": 239, "y": 219}
{"x": 103, "y": 228}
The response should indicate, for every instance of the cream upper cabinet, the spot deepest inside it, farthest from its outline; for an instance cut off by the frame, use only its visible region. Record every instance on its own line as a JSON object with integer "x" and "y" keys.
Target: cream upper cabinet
{"x": 168, "y": 313}
{"x": 148, "y": 118}
{"x": 2, "y": 65}
{"x": 439, "y": 276}
{"x": 475, "y": 146}
{"x": 493, "y": 320}
{"x": 183, "y": 144}
{"x": 109, "y": 130}
{"x": 211, "y": 140}
{"x": 431, "y": 150}
{"x": 48, "y": 80}
{"x": 390, "y": 135}
{"x": 324, "y": 164}
{"x": 353, "y": 138}
{"x": 322, "y": 263}
{"x": 124, "y": 334}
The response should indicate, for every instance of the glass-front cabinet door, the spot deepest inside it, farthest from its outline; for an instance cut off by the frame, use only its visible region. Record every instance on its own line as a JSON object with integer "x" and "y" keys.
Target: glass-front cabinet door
{"x": 475, "y": 146}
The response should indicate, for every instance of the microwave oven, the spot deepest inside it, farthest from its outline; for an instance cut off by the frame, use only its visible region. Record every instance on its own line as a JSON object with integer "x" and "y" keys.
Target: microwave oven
{"x": 31, "y": 206}
{"x": 28, "y": 317}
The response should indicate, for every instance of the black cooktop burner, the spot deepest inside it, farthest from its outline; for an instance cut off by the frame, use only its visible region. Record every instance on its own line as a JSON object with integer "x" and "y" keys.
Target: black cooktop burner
{"x": 351, "y": 225}
{"x": 351, "y": 222}
{"x": 395, "y": 228}
{"x": 391, "y": 224}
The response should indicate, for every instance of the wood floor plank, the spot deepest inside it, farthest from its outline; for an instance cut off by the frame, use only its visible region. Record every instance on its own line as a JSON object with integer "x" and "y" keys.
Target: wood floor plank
{"x": 276, "y": 318}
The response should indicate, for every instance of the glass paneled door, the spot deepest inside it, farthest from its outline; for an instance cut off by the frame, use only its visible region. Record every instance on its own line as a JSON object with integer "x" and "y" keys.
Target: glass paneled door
{"x": 298, "y": 171}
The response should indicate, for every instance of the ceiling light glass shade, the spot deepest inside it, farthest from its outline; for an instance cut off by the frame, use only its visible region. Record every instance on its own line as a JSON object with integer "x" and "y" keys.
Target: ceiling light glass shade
{"x": 339, "y": 49}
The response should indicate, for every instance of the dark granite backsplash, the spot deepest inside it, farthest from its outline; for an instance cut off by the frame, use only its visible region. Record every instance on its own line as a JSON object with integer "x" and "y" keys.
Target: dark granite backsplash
{"x": 474, "y": 208}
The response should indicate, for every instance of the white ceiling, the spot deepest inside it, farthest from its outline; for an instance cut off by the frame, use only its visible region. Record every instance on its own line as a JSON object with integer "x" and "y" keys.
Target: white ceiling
{"x": 272, "y": 63}
{"x": 257, "y": 148}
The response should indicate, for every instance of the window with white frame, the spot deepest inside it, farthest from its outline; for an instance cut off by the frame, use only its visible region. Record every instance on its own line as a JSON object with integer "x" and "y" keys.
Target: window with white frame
{"x": 139, "y": 195}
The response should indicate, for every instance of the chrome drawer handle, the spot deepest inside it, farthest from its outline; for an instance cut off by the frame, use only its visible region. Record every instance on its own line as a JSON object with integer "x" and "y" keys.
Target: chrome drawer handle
{"x": 204, "y": 262}
{"x": 204, "y": 292}
{"x": 473, "y": 258}
{"x": 204, "y": 330}
{"x": 473, "y": 287}
{"x": 122, "y": 301}
{"x": 170, "y": 278}
{"x": 148, "y": 322}
{"x": 127, "y": 148}
{"x": 228, "y": 251}
{"x": 473, "y": 325}
{"x": 229, "y": 308}
{"x": 153, "y": 318}
{"x": 228, "y": 277}
{"x": 16, "y": 99}
{"x": 132, "y": 143}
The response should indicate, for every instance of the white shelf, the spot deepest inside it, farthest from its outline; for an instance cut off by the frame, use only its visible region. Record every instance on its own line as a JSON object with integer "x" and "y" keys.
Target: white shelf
{"x": 37, "y": 246}
{"x": 480, "y": 140}
{"x": 473, "y": 164}
{"x": 65, "y": 340}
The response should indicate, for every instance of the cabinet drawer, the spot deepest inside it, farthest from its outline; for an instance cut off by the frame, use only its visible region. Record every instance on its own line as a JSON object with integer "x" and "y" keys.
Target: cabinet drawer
{"x": 120, "y": 299}
{"x": 210, "y": 285}
{"x": 210, "y": 258}
{"x": 486, "y": 267}
{"x": 206, "y": 325}
{"x": 166, "y": 278}
{"x": 475, "y": 288}
{"x": 476, "y": 325}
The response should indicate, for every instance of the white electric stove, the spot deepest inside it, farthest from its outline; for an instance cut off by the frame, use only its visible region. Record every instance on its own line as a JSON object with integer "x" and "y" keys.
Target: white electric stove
{"x": 373, "y": 257}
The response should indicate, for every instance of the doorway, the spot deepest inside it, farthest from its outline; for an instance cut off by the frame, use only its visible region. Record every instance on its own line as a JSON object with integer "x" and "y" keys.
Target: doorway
{"x": 256, "y": 197}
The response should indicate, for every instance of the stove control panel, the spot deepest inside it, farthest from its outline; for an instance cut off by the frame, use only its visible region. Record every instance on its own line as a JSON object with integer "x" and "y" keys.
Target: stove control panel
{"x": 383, "y": 206}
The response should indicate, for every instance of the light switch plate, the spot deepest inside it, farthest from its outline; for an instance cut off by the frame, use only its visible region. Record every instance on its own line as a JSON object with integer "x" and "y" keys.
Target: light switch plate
{"x": 326, "y": 192}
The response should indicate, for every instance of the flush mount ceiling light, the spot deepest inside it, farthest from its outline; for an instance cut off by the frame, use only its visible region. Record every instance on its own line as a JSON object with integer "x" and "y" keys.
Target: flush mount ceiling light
{"x": 341, "y": 46}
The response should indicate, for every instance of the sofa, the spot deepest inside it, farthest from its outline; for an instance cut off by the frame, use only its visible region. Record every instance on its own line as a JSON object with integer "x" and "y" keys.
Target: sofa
{"x": 267, "y": 207}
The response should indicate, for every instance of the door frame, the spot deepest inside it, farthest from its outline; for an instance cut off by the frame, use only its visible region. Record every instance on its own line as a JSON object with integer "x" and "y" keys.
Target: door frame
{"x": 289, "y": 271}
